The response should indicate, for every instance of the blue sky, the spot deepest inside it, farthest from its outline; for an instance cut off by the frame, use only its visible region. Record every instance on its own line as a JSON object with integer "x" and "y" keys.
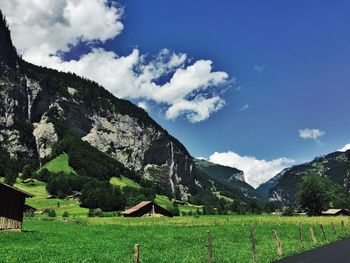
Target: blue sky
{"x": 303, "y": 48}
{"x": 288, "y": 67}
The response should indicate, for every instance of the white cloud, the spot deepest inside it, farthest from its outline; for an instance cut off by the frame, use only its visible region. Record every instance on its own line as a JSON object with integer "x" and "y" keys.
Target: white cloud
{"x": 243, "y": 108}
{"x": 345, "y": 148}
{"x": 42, "y": 30}
{"x": 143, "y": 105}
{"x": 259, "y": 68}
{"x": 313, "y": 134}
{"x": 196, "y": 110}
{"x": 255, "y": 171}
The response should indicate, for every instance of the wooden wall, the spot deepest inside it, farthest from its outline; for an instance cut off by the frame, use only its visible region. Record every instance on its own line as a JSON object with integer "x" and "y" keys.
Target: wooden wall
{"x": 11, "y": 208}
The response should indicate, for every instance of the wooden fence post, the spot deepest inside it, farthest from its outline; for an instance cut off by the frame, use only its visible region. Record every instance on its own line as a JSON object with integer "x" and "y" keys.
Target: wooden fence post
{"x": 136, "y": 253}
{"x": 278, "y": 243}
{"x": 334, "y": 230}
{"x": 312, "y": 233}
{"x": 210, "y": 248}
{"x": 252, "y": 238}
{"x": 300, "y": 228}
{"x": 324, "y": 233}
{"x": 342, "y": 227}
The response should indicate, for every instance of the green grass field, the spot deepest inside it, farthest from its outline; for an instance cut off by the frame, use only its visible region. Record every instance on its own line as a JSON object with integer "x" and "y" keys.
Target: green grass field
{"x": 59, "y": 164}
{"x": 124, "y": 181}
{"x": 180, "y": 239}
{"x": 40, "y": 201}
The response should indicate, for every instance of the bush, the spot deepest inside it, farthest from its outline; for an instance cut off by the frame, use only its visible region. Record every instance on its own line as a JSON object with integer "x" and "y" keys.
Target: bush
{"x": 29, "y": 213}
{"x": 289, "y": 211}
{"x": 51, "y": 212}
{"x": 65, "y": 214}
{"x": 97, "y": 212}
{"x": 175, "y": 210}
{"x": 42, "y": 175}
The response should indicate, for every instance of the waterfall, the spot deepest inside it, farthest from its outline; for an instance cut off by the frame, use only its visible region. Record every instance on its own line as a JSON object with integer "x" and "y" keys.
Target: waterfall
{"x": 28, "y": 105}
{"x": 171, "y": 168}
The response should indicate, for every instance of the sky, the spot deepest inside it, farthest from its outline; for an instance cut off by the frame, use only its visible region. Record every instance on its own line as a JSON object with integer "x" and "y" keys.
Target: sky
{"x": 257, "y": 85}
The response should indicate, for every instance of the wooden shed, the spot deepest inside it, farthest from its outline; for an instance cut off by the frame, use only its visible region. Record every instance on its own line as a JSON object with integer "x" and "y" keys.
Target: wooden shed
{"x": 147, "y": 208}
{"x": 336, "y": 212}
{"x": 12, "y": 206}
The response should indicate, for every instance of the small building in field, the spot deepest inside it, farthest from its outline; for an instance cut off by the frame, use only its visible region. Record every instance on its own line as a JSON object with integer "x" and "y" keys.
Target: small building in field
{"x": 28, "y": 208}
{"x": 336, "y": 212}
{"x": 12, "y": 206}
{"x": 145, "y": 209}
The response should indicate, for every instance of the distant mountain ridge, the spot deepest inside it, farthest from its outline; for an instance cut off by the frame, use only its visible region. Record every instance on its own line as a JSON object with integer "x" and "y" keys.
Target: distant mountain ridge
{"x": 229, "y": 176}
{"x": 284, "y": 186}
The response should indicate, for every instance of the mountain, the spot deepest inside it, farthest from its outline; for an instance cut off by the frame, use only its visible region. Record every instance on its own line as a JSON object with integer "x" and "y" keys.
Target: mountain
{"x": 41, "y": 110}
{"x": 284, "y": 186}
{"x": 228, "y": 176}
{"x": 82, "y": 136}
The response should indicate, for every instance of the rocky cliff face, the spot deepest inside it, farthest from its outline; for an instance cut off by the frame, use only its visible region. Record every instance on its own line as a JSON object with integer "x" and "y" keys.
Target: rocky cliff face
{"x": 114, "y": 126}
{"x": 284, "y": 186}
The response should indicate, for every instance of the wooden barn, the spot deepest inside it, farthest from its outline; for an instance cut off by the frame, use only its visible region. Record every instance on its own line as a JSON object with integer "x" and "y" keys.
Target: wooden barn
{"x": 147, "y": 208}
{"x": 336, "y": 212}
{"x": 11, "y": 207}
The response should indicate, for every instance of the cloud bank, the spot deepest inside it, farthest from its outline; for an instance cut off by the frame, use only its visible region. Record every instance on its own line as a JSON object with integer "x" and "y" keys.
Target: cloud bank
{"x": 256, "y": 171}
{"x": 43, "y": 31}
{"x": 312, "y": 134}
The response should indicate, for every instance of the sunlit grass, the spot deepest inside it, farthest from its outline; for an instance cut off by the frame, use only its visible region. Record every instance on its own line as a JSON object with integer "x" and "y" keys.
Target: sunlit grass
{"x": 179, "y": 239}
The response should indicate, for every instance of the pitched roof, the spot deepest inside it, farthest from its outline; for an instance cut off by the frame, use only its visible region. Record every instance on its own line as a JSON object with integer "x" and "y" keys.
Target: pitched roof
{"x": 332, "y": 211}
{"x": 137, "y": 207}
{"x": 16, "y": 189}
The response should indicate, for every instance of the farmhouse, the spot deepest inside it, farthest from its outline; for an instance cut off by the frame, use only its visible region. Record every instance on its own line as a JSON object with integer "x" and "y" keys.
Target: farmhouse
{"x": 11, "y": 207}
{"x": 336, "y": 212}
{"x": 147, "y": 208}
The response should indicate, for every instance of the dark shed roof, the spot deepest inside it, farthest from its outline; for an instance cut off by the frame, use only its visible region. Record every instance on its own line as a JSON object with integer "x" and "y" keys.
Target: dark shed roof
{"x": 5, "y": 186}
{"x": 146, "y": 207}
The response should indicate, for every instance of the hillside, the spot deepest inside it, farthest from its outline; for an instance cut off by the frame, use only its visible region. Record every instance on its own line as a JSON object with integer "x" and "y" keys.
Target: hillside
{"x": 284, "y": 185}
{"x": 59, "y": 164}
{"x": 41, "y": 110}
{"x": 228, "y": 176}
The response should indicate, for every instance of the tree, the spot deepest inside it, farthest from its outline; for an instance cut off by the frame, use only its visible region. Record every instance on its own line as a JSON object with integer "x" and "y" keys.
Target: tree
{"x": 26, "y": 172}
{"x": 315, "y": 194}
{"x": 11, "y": 172}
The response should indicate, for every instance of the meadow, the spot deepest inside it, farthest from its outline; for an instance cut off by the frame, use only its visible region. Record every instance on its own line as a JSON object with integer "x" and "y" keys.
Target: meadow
{"x": 178, "y": 239}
